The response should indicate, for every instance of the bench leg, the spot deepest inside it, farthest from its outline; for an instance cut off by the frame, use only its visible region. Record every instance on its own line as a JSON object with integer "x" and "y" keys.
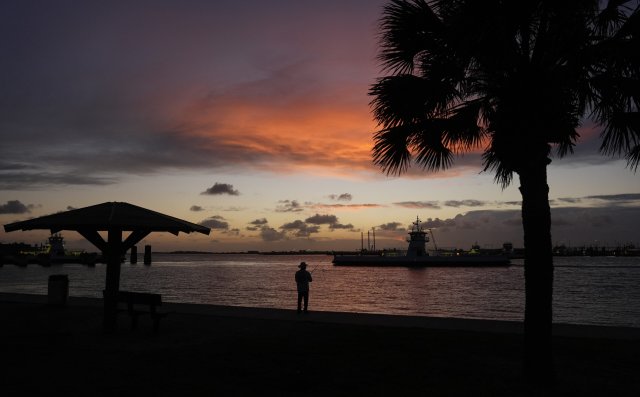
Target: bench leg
{"x": 134, "y": 321}
{"x": 156, "y": 320}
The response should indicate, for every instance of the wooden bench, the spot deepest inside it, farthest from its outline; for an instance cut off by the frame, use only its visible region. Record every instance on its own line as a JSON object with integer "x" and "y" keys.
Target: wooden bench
{"x": 134, "y": 300}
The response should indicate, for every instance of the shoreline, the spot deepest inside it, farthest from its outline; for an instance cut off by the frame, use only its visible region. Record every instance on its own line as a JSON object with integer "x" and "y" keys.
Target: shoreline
{"x": 223, "y": 350}
{"x": 363, "y": 319}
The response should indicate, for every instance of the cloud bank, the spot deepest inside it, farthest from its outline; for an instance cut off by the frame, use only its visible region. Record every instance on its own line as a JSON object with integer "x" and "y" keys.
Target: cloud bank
{"x": 15, "y": 207}
{"x": 168, "y": 100}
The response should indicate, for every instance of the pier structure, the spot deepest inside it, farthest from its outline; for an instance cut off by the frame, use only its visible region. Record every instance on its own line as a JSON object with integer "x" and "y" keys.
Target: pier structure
{"x": 115, "y": 218}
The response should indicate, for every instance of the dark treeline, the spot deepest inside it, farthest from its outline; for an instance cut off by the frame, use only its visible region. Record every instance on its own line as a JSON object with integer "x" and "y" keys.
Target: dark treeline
{"x": 594, "y": 250}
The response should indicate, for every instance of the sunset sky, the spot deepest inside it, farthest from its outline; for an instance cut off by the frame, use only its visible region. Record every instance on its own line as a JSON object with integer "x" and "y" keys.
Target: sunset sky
{"x": 250, "y": 117}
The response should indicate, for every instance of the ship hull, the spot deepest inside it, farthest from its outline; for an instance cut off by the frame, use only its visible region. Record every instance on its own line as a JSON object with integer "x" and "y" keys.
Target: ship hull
{"x": 422, "y": 261}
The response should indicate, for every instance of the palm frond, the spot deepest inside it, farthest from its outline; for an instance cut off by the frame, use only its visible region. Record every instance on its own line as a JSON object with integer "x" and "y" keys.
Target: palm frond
{"x": 434, "y": 158}
{"x": 503, "y": 176}
{"x": 567, "y": 142}
{"x": 462, "y": 129}
{"x": 621, "y": 133}
{"x": 631, "y": 26}
{"x": 408, "y": 28}
{"x": 391, "y": 149}
{"x": 430, "y": 152}
{"x": 406, "y": 98}
{"x": 610, "y": 18}
{"x": 633, "y": 158}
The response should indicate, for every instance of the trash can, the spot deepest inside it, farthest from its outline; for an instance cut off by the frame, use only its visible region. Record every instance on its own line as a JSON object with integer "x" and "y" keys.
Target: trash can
{"x": 58, "y": 289}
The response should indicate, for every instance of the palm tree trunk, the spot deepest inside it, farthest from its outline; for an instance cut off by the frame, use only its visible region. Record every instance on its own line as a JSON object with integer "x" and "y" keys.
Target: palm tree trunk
{"x": 538, "y": 272}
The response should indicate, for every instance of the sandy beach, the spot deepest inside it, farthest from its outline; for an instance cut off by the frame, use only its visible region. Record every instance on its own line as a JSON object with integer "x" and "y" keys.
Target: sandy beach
{"x": 230, "y": 351}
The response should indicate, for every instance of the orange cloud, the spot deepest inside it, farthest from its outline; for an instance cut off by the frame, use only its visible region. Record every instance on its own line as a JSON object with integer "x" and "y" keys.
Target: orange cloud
{"x": 288, "y": 138}
{"x": 292, "y": 121}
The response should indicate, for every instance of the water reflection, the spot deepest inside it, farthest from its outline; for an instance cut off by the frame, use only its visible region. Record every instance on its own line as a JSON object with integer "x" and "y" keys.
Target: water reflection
{"x": 587, "y": 290}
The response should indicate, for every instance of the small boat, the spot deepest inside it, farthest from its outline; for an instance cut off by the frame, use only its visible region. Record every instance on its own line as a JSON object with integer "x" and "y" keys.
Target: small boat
{"x": 55, "y": 252}
{"x": 418, "y": 256}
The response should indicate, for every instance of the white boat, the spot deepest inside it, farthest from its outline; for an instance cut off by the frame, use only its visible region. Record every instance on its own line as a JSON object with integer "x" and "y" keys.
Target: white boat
{"x": 418, "y": 256}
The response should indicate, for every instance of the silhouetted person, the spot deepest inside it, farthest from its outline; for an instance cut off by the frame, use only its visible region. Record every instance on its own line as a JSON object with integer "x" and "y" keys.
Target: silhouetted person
{"x": 303, "y": 278}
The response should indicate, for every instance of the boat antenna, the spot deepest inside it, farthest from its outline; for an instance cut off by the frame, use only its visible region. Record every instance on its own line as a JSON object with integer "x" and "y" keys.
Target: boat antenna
{"x": 374, "y": 238}
{"x": 417, "y": 223}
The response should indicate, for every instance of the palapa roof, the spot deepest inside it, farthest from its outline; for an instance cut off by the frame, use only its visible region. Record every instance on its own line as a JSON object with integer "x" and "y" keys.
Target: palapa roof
{"x": 110, "y": 215}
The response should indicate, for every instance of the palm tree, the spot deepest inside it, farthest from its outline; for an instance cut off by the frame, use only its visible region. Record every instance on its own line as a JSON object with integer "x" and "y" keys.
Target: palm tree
{"x": 514, "y": 79}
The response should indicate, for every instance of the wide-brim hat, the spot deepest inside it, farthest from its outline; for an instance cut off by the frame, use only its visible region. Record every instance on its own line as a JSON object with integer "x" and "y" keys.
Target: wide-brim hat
{"x": 302, "y": 265}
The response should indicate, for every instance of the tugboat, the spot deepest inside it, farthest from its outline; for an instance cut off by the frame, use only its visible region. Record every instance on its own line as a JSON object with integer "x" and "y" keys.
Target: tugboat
{"x": 418, "y": 256}
{"x": 55, "y": 252}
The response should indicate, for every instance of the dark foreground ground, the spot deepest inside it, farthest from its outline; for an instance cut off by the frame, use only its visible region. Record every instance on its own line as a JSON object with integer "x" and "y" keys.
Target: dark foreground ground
{"x": 63, "y": 351}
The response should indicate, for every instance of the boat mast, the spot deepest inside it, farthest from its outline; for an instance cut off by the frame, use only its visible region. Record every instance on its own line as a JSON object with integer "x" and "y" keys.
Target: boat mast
{"x": 373, "y": 229}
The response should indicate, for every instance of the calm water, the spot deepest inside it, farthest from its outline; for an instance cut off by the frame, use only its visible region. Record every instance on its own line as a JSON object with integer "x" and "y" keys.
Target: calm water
{"x": 599, "y": 290}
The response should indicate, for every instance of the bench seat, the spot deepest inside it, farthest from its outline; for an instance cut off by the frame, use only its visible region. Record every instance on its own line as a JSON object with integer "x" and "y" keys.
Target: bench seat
{"x": 142, "y": 303}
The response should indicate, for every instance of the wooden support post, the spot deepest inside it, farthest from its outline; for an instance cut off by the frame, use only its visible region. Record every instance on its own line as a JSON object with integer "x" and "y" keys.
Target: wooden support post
{"x": 147, "y": 254}
{"x": 114, "y": 255}
{"x": 133, "y": 259}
